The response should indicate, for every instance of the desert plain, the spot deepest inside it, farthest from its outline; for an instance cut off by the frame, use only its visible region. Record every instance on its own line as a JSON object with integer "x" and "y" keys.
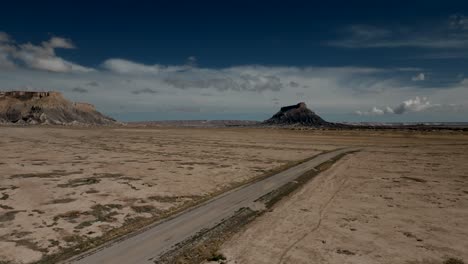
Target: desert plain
{"x": 403, "y": 198}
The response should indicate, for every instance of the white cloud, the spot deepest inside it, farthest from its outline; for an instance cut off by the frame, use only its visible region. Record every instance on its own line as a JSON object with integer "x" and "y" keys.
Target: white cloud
{"x": 419, "y": 77}
{"x": 124, "y": 85}
{"x": 375, "y": 111}
{"x": 39, "y": 57}
{"x": 223, "y": 81}
{"x": 129, "y": 67}
{"x": 418, "y": 104}
{"x": 56, "y": 42}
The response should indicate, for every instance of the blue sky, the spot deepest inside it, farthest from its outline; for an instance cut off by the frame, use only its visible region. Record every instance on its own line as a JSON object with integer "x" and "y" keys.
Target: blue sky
{"x": 349, "y": 61}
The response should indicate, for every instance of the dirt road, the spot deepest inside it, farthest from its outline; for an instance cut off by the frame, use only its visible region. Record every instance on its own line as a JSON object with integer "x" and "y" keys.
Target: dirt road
{"x": 145, "y": 247}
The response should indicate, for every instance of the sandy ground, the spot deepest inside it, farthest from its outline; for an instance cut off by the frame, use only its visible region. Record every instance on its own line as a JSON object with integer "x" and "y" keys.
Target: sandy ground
{"x": 59, "y": 186}
{"x": 405, "y": 201}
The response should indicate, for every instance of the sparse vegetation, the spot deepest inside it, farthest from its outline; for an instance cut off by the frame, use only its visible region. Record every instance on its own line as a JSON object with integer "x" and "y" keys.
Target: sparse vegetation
{"x": 73, "y": 239}
{"x": 144, "y": 208}
{"x": 414, "y": 179}
{"x": 52, "y": 174}
{"x": 70, "y": 215}
{"x": 160, "y": 168}
{"x": 453, "y": 261}
{"x": 217, "y": 257}
{"x": 30, "y": 244}
{"x": 79, "y": 182}
{"x": 345, "y": 252}
{"x": 8, "y": 216}
{"x": 64, "y": 200}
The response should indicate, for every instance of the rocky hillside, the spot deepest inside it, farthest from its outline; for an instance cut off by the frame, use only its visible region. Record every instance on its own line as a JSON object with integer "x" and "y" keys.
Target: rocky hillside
{"x": 297, "y": 114}
{"x": 25, "y": 107}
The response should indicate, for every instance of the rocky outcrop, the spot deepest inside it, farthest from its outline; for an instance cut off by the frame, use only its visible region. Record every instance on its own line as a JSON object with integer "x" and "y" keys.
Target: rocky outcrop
{"x": 26, "y": 107}
{"x": 297, "y": 114}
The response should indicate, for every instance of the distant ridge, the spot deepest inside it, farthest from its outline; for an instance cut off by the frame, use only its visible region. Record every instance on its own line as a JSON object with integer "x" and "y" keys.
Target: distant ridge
{"x": 28, "y": 107}
{"x": 298, "y": 114}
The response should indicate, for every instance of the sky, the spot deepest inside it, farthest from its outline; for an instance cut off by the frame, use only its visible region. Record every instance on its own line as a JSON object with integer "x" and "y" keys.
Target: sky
{"x": 392, "y": 61}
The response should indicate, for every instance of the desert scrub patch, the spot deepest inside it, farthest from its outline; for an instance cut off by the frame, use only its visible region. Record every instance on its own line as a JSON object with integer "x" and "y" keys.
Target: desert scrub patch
{"x": 12, "y": 187}
{"x": 9, "y": 216}
{"x": 108, "y": 175}
{"x": 84, "y": 224}
{"x": 74, "y": 239}
{"x": 52, "y": 174}
{"x": 218, "y": 257}
{"x": 69, "y": 216}
{"x": 92, "y": 191}
{"x": 345, "y": 252}
{"x": 413, "y": 179}
{"x": 62, "y": 201}
{"x": 453, "y": 261}
{"x": 145, "y": 209}
{"x": 103, "y": 213}
{"x": 53, "y": 243}
{"x": 171, "y": 199}
{"x": 30, "y": 244}
{"x": 79, "y": 182}
{"x": 4, "y": 196}
{"x": 6, "y": 207}
{"x": 20, "y": 234}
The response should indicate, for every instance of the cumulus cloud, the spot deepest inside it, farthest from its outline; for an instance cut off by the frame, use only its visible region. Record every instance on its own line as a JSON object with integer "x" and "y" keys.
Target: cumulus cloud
{"x": 418, "y": 104}
{"x": 375, "y": 111}
{"x": 56, "y": 42}
{"x": 39, "y": 57}
{"x": 129, "y": 67}
{"x": 245, "y": 88}
{"x": 223, "y": 82}
{"x": 419, "y": 77}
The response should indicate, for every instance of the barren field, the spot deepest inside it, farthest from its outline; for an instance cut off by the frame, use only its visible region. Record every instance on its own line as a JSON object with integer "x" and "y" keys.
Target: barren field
{"x": 65, "y": 187}
{"x": 61, "y": 186}
{"x": 402, "y": 202}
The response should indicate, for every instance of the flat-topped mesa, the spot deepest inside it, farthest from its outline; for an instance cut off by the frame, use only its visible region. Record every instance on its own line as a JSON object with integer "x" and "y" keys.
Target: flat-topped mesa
{"x": 297, "y": 114}
{"x": 27, "y": 95}
{"x": 37, "y": 107}
{"x": 296, "y": 106}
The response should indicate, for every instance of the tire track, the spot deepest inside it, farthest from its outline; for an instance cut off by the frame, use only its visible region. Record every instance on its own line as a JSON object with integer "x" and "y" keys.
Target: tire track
{"x": 322, "y": 210}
